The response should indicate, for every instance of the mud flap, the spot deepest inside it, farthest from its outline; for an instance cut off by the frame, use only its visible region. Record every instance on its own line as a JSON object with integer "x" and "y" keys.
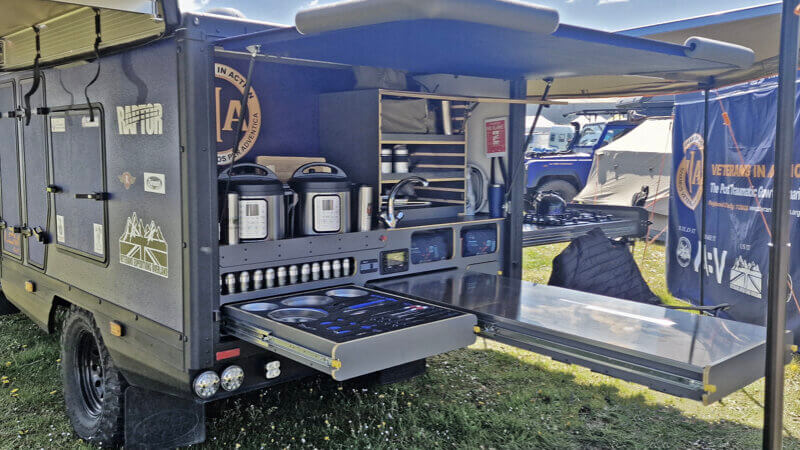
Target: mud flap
{"x": 156, "y": 420}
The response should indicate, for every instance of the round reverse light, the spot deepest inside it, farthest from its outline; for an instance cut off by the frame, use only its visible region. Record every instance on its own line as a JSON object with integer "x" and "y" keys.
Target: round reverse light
{"x": 232, "y": 378}
{"x": 206, "y": 384}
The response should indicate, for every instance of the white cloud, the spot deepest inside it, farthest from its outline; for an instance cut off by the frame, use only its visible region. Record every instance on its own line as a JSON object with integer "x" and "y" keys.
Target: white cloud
{"x": 608, "y": 2}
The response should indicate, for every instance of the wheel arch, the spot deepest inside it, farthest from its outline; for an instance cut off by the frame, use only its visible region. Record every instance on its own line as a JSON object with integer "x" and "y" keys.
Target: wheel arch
{"x": 57, "y": 303}
{"x": 569, "y": 177}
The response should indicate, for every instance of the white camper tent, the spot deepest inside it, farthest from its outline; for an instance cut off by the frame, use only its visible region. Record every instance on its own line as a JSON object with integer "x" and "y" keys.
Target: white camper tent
{"x": 541, "y": 134}
{"x": 642, "y": 157}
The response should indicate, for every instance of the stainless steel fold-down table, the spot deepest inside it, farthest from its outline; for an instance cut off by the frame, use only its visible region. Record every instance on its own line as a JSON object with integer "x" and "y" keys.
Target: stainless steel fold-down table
{"x": 680, "y": 353}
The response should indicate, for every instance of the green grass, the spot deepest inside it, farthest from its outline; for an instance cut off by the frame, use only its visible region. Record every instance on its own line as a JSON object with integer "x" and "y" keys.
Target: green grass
{"x": 487, "y": 396}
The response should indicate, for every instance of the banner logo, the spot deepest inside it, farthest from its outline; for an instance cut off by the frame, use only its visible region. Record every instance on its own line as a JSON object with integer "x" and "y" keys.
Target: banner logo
{"x": 689, "y": 176}
{"x": 683, "y": 252}
{"x": 228, "y": 99}
{"x": 746, "y": 277}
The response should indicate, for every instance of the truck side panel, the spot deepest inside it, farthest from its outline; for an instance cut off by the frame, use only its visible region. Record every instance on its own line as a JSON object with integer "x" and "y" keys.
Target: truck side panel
{"x": 141, "y": 270}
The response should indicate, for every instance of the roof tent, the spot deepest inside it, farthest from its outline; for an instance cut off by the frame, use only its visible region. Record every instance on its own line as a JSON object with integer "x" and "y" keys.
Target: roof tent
{"x": 483, "y": 38}
{"x": 62, "y": 31}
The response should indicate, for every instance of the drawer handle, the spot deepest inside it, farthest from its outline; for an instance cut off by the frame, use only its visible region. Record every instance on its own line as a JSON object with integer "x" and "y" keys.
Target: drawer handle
{"x": 99, "y": 196}
{"x": 39, "y": 234}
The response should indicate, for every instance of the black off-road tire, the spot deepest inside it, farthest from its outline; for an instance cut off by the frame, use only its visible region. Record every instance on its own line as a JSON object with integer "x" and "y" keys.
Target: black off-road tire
{"x": 565, "y": 189}
{"x": 6, "y": 307}
{"x": 94, "y": 389}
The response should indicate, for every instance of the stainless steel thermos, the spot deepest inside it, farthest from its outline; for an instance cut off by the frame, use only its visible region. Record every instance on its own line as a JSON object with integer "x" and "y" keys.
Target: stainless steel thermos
{"x": 364, "y": 208}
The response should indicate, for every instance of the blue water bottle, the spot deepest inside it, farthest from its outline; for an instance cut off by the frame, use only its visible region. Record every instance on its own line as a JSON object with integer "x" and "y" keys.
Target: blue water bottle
{"x": 496, "y": 196}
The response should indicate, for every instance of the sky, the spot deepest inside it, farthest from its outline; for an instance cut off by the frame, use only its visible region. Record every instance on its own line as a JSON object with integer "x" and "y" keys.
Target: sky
{"x": 608, "y": 15}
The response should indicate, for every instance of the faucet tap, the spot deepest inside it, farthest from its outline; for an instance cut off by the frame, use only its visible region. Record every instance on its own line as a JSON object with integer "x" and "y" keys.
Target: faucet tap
{"x": 389, "y": 217}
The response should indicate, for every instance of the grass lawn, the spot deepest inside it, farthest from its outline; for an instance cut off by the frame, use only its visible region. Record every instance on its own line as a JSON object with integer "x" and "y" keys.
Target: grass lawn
{"x": 486, "y": 396}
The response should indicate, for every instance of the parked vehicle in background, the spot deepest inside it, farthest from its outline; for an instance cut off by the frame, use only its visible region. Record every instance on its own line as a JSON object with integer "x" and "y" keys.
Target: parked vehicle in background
{"x": 564, "y": 171}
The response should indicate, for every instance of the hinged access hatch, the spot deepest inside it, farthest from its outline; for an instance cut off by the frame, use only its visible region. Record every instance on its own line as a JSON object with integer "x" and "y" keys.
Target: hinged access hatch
{"x": 683, "y": 354}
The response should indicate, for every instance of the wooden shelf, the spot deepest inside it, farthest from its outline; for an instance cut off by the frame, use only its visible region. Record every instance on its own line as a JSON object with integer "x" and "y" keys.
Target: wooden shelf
{"x": 445, "y": 175}
{"x": 439, "y": 154}
{"x": 440, "y": 189}
{"x": 422, "y": 139}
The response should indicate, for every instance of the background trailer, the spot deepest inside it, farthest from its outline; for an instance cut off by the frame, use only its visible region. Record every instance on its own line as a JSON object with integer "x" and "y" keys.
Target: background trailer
{"x": 116, "y": 205}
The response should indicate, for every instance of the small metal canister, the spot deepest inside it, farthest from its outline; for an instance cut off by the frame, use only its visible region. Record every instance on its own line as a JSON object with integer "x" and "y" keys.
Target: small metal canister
{"x": 281, "y": 272}
{"x": 269, "y": 276}
{"x": 364, "y": 212}
{"x": 258, "y": 279}
{"x": 386, "y": 160}
{"x": 233, "y": 218}
{"x": 230, "y": 283}
{"x": 315, "y": 271}
{"x": 326, "y": 270}
{"x": 244, "y": 281}
{"x": 336, "y": 268}
{"x": 400, "y": 159}
{"x": 294, "y": 273}
{"x": 346, "y": 267}
{"x": 305, "y": 273}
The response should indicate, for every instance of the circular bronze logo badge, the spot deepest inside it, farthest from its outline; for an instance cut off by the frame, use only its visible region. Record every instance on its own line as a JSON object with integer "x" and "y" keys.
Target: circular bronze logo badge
{"x": 228, "y": 99}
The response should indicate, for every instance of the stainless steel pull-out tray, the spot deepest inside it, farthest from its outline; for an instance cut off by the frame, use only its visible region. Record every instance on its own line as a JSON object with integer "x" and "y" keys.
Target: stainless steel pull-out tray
{"x": 688, "y": 355}
{"x": 349, "y": 331}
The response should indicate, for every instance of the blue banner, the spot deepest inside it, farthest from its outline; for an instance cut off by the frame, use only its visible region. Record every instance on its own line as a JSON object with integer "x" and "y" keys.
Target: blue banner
{"x": 738, "y": 154}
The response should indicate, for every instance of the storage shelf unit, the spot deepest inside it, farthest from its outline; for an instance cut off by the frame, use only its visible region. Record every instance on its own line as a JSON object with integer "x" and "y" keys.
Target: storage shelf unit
{"x": 350, "y": 124}
{"x": 424, "y": 139}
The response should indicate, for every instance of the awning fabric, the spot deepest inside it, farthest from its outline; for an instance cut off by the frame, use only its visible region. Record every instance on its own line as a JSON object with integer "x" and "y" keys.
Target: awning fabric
{"x": 455, "y": 41}
{"x": 756, "y": 28}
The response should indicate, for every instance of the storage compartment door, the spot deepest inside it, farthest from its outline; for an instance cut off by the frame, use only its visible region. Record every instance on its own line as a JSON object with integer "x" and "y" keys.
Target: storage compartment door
{"x": 34, "y": 138}
{"x": 79, "y": 178}
{"x": 9, "y": 174}
{"x": 683, "y": 354}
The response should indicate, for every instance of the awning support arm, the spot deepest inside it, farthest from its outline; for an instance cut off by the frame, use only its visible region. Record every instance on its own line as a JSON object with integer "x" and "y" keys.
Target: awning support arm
{"x": 516, "y": 170}
{"x": 36, "y": 77}
{"x": 97, "y": 40}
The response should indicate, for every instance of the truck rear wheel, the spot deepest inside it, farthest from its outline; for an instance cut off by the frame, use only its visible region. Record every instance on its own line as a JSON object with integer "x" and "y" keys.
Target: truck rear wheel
{"x": 565, "y": 189}
{"x": 6, "y": 307}
{"x": 93, "y": 387}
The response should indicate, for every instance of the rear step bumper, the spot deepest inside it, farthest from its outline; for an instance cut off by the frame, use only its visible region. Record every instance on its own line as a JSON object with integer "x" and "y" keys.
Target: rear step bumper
{"x": 687, "y": 355}
{"x": 441, "y": 331}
